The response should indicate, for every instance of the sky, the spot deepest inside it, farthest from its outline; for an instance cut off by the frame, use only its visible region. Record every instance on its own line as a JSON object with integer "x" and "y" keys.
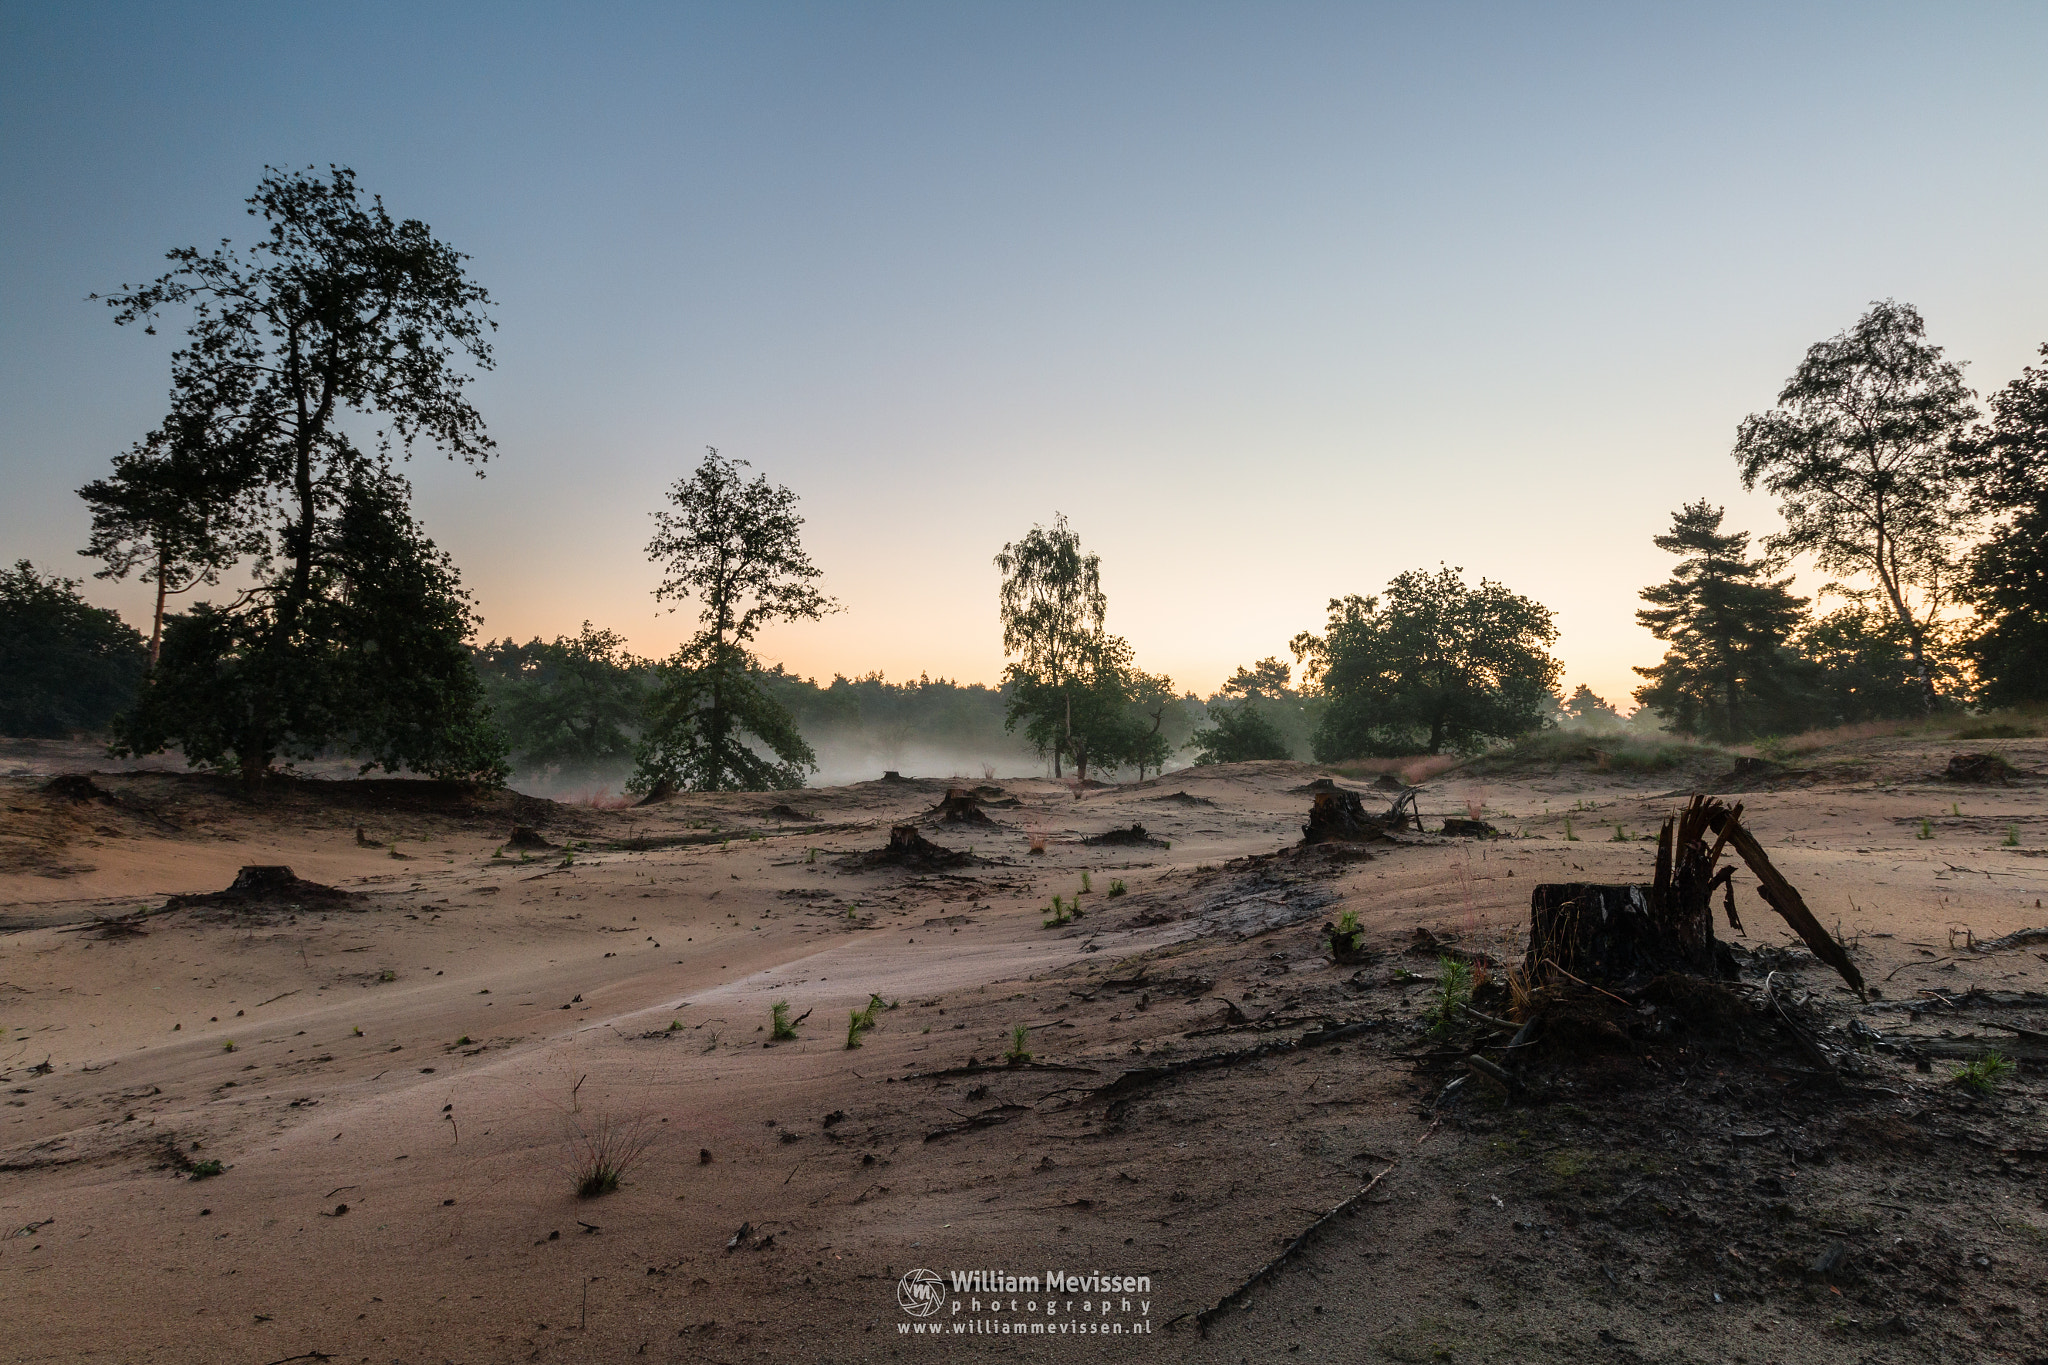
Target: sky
{"x": 1273, "y": 301}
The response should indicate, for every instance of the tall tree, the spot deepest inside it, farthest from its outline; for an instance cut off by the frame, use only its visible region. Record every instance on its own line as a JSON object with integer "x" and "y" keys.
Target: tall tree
{"x": 1438, "y": 664}
{"x": 1726, "y": 620}
{"x": 736, "y": 548}
{"x": 339, "y": 309}
{"x": 1862, "y": 453}
{"x": 2007, "y": 577}
{"x": 1052, "y": 607}
{"x": 377, "y": 666}
{"x": 65, "y": 665}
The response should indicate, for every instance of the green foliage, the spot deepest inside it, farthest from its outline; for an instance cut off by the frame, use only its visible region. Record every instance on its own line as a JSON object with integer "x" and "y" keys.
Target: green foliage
{"x": 855, "y": 1022}
{"x": 1863, "y": 452}
{"x": 1726, "y": 620}
{"x": 1453, "y": 989}
{"x": 2012, "y": 837}
{"x": 572, "y": 707}
{"x": 1984, "y": 1074}
{"x": 1238, "y": 734}
{"x": 1568, "y": 830}
{"x": 352, "y": 636}
{"x": 1926, "y": 830}
{"x": 780, "y": 1029}
{"x": 1062, "y": 913}
{"x": 1589, "y": 708}
{"x": 64, "y": 666}
{"x": 203, "y": 1170}
{"x": 1116, "y": 887}
{"x": 1856, "y": 665}
{"x": 1019, "y": 1053}
{"x": 1086, "y": 884}
{"x": 1349, "y": 931}
{"x": 1107, "y": 714}
{"x": 2007, "y": 577}
{"x": 1439, "y": 664}
{"x": 733, "y": 546}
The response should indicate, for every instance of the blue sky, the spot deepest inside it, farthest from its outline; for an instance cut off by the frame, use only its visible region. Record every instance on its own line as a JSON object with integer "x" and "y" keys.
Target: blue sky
{"x": 1273, "y": 301}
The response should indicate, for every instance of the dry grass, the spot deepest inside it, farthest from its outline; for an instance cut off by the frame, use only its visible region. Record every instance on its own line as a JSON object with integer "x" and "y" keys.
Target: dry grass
{"x": 601, "y": 1156}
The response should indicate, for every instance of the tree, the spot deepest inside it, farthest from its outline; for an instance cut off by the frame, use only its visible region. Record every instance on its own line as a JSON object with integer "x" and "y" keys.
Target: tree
{"x": 1439, "y": 664}
{"x": 377, "y": 666}
{"x": 338, "y": 310}
{"x": 1098, "y": 715}
{"x": 572, "y": 706}
{"x": 1590, "y": 708}
{"x": 175, "y": 509}
{"x": 735, "y": 547}
{"x": 1726, "y": 621}
{"x": 1862, "y": 452}
{"x": 2007, "y": 575}
{"x": 1855, "y": 665}
{"x": 1238, "y": 734}
{"x": 1052, "y": 607}
{"x": 65, "y": 665}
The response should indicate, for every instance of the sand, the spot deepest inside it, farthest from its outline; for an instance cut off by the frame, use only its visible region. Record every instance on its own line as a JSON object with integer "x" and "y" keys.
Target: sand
{"x": 395, "y": 1089}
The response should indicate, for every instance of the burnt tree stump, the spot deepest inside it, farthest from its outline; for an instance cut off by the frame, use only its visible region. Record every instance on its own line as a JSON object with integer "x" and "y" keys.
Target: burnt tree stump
{"x": 1621, "y": 935}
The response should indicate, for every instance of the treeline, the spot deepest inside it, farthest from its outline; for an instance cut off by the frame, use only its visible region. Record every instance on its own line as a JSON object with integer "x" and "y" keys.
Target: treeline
{"x": 352, "y": 634}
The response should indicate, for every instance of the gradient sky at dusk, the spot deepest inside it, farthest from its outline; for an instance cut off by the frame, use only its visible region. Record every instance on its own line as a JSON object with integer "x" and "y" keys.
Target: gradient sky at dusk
{"x": 1273, "y": 301}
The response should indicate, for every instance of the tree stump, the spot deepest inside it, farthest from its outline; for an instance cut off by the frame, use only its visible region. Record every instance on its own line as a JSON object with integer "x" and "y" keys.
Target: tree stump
{"x": 1339, "y": 817}
{"x": 961, "y": 807}
{"x": 1622, "y": 935}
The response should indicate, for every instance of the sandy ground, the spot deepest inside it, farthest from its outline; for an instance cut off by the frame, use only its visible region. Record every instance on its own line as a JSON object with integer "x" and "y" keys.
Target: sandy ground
{"x": 397, "y": 1089}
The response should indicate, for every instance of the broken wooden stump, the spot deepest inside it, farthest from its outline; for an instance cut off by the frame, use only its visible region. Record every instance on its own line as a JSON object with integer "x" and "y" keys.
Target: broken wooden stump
{"x": 1339, "y": 817}
{"x": 1981, "y": 769}
{"x": 961, "y": 807}
{"x": 908, "y": 848}
{"x": 526, "y": 836}
{"x": 263, "y": 887}
{"x": 1134, "y": 837}
{"x": 1459, "y": 828}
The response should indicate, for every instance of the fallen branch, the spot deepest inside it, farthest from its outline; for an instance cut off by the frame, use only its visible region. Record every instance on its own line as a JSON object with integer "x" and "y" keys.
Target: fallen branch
{"x": 1203, "y": 1318}
{"x": 1143, "y": 1078}
{"x": 2018, "y": 939}
{"x": 983, "y": 1068}
{"x": 987, "y": 1118}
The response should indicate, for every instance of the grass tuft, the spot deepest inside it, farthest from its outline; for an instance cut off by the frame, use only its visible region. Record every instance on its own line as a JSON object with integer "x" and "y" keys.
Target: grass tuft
{"x": 1453, "y": 989}
{"x": 600, "y": 1158}
{"x": 1018, "y": 1053}
{"x": 1983, "y": 1074}
{"x": 1116, "y": 887}
{"x": 781, "y": 1030}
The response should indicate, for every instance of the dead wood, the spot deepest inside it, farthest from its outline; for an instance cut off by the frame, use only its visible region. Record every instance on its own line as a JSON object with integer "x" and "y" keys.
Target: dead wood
{"x": 1203, "y": 1318}
{"x": 1778, "y": 893}
{"x": 782, "y": 810}
{"x": 258, "y": 887}
{"x": 2019, "y": 938}
{"x": 526, "y": 836}
{"x": 1127, "y": 1085}
{"x": 908, "y": 848}
{"x": 1982, "y": 769}
{"x": 1134, "y": 837}
{"x": 1338, "y": 816}
{"x": 961, "y": 807}
{"x": 1460, "y": 828}
{"x": 983, "y": 1068}
{"x": 987, "y": 1118}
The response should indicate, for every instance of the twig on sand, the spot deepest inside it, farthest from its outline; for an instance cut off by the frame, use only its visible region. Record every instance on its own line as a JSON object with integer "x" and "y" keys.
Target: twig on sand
{"x": 309, "y": 1355}
{"x": 987, "y": 1118}
{"x": 1145, "y": 1077}
{"x": 1203, "y": 1318}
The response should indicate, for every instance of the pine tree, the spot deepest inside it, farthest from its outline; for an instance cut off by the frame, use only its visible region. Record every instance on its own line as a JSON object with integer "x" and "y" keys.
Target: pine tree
{"x": 1725, "y": 619}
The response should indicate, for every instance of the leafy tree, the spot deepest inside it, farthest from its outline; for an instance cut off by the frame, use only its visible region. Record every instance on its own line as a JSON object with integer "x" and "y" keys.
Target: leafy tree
{"x": 1052, "y": 607}
{"x": 1439, "y": 664}
{"x": 175, "y": 509}
{"x": 1589, "y": 708}
{"x": 1856, "y": 664}
{"x": 1096, "y": 716}
{"x": 573, "y": 706}
{"x": 734, "y": 547}
{"x": 1726, "y": 621}
{"x": 2007, "y": 575}
{"x": 377, "y": 665}
{"x": 338, "y": 310}
{"x": 1238, "y": 734}
{"x": 65, "y": 665}
{"x": 1862, "y": 452}
{"x": 1267, "y": 679}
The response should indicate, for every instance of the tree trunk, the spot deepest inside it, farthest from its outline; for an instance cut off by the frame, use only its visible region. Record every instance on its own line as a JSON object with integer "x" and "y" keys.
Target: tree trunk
{"x": 156, "y": 630}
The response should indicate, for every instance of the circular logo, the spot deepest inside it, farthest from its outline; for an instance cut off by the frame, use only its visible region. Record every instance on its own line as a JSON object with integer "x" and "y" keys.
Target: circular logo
{"x": 920, "y": 1293}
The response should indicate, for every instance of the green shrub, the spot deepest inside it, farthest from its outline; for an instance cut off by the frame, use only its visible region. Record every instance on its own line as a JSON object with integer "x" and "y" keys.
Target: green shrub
{"x": 1453, "y": 989}
{"x": 781, "y": 1029}
{"x": 1018, "y": 1054}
